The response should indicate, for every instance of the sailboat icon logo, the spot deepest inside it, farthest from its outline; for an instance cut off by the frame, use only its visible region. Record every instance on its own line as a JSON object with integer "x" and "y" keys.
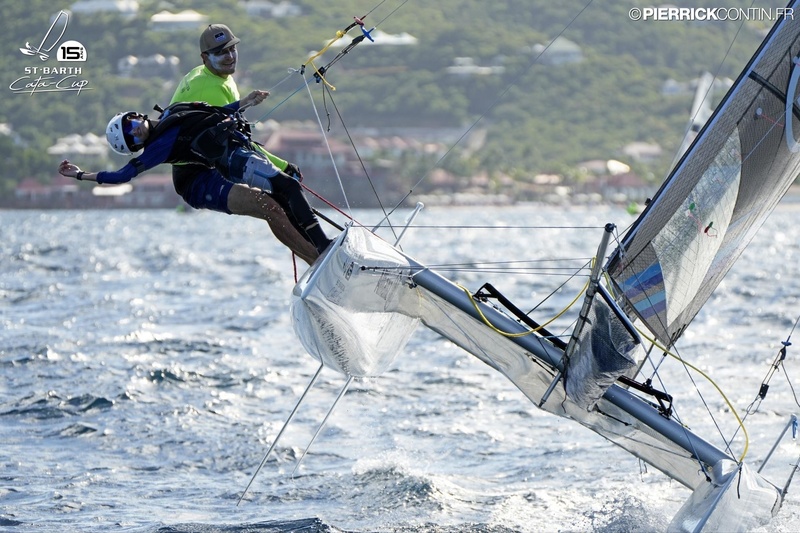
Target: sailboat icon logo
{"x": 48, "y": 42}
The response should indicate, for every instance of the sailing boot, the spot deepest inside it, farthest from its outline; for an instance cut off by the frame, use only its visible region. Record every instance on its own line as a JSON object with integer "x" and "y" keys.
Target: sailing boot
{"x": 317, "y": 237}
{"x": 289, "y": 195}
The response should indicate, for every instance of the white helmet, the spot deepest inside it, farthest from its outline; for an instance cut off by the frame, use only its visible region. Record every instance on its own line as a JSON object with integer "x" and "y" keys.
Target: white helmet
{"x": 121, "y": 142}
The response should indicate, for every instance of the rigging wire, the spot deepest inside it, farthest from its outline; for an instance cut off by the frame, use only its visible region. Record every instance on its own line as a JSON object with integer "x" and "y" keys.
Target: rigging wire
{"x": 319, "y": 73}
{"x": 791, "y": 388}
{"x": 502, "y": 228}
{"x": 512, "y": 267}
{"x": 688, "y": 365}
{"x": 776, "y": 364}
{"x": 360, "y": 160}
{"x": 586, "y": 265}
{"x": 524, "y": 333}
{"x": 328, "y": 146}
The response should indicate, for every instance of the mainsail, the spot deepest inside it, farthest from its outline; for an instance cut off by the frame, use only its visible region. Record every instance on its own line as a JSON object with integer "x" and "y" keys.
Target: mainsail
{"x": 719, "y": 194}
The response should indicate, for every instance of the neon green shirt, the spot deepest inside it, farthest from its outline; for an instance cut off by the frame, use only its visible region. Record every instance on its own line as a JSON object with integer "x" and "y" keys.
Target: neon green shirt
{"x": 202, "y": 85}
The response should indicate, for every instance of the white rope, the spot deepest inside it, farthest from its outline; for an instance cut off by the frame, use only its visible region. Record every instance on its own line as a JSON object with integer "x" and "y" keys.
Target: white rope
{"x": 328, "y": 146}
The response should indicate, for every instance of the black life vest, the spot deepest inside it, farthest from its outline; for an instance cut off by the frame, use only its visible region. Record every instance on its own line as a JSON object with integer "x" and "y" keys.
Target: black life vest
{"x": 202, "y": 138}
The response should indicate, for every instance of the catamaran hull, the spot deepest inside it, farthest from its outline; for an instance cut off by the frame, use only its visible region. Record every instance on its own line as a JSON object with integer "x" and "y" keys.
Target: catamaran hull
{"x": 364, "y": 272}
{"x": 737, "y": 499}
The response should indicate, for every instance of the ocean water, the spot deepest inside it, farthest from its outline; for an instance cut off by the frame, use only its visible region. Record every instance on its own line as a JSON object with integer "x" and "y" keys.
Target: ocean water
{"x": 148, "y": 361}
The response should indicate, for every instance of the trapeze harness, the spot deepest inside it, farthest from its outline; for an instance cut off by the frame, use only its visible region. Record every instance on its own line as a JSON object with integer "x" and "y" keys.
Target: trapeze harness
{"x": 219, "y": 137}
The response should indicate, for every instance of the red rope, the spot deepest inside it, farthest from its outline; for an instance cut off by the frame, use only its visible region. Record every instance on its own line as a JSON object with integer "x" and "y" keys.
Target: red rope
{"x": 326, "y": 202}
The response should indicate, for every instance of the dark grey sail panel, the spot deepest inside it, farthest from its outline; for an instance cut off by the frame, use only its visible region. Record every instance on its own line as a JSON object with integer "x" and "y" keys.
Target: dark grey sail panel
{"x": 719, "y": 194}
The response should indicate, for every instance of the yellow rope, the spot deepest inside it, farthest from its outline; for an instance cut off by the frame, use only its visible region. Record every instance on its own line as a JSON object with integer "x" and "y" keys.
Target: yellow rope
{"x": 339, "y": 35}
{"x": 321, "y": 77}
{"x": 651, "y": 340}
{"x": 515, "y": 335}
{"x": 708, "y": 378}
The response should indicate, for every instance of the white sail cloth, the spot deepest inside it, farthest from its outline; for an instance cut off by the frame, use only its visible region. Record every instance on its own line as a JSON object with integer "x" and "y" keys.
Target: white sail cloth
{"x": 605, "y": 351}
{"x": 736, "y": 500}
{"x": 355, "y": 309}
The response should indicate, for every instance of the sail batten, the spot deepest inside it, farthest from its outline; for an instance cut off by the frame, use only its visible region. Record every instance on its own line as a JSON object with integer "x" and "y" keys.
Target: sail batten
{"x": 718, "y": 196}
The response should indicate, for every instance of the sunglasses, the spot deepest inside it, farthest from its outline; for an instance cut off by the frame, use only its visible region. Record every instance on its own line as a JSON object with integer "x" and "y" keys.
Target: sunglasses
{"x": 130, "y": 123}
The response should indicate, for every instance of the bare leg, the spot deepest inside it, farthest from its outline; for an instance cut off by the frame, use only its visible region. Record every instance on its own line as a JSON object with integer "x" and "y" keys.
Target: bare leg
{"x": 244, "y": 200}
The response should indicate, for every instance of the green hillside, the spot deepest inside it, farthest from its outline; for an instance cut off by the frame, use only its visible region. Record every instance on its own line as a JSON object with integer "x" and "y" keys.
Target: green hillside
{"x": 539, "y": 117}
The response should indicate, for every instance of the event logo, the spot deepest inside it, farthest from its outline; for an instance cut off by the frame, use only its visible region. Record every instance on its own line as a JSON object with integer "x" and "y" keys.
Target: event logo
{"x": 53, "y": 79}
{"x": 71, "y": 51}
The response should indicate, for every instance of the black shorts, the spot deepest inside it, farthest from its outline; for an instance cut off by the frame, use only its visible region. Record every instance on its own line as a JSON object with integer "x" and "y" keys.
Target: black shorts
{"x": 202, "y": 187}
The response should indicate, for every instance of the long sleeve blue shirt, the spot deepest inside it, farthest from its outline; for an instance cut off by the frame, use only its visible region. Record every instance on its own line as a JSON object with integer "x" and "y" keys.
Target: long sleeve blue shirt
{"x": 155, "y": 153}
